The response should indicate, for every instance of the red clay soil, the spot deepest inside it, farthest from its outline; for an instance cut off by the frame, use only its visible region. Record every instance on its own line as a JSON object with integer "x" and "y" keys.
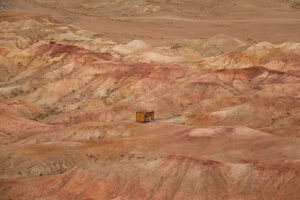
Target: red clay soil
{"x": 68, "y": 129}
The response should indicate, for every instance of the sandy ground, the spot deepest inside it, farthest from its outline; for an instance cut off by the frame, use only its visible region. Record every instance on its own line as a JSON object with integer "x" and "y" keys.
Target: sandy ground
{"x": 273, "y": 21}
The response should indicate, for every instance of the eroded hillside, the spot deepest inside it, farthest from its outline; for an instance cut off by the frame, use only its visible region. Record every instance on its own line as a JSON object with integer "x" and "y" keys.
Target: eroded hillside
{"x": 227, "y": 115}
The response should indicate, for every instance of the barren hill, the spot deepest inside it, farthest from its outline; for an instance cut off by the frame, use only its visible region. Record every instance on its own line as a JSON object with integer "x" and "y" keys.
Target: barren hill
{"x": 227, "y": 109}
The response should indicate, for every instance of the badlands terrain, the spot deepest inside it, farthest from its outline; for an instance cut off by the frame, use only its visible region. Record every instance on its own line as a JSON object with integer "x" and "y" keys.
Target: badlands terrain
{"x": 223, "y": 78}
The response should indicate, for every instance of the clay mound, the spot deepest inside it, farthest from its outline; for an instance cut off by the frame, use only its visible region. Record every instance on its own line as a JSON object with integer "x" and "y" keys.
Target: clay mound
{"x": 220, "y": 44}
{"x": 131, "y": 47}
{"x": 75, "y": 78}
{"x": 242, "y": 133}
{"x": 14, "y": 120}
{"x": 73, "y": 53}
{"x": 83, "y": 132}
{"x": 284, "y": 57}
{"x": 176, "y": 177}
{"x": 248, "y": 79}
{"x": 26, "y": 33}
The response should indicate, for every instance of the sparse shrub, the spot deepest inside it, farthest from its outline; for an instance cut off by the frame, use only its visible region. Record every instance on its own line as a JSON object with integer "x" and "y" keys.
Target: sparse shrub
{"x": 295, "y": 5}
{"x": 14, "y": 93}
{"x": 43, "y": 115}
{"x": 55, "y": 111}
